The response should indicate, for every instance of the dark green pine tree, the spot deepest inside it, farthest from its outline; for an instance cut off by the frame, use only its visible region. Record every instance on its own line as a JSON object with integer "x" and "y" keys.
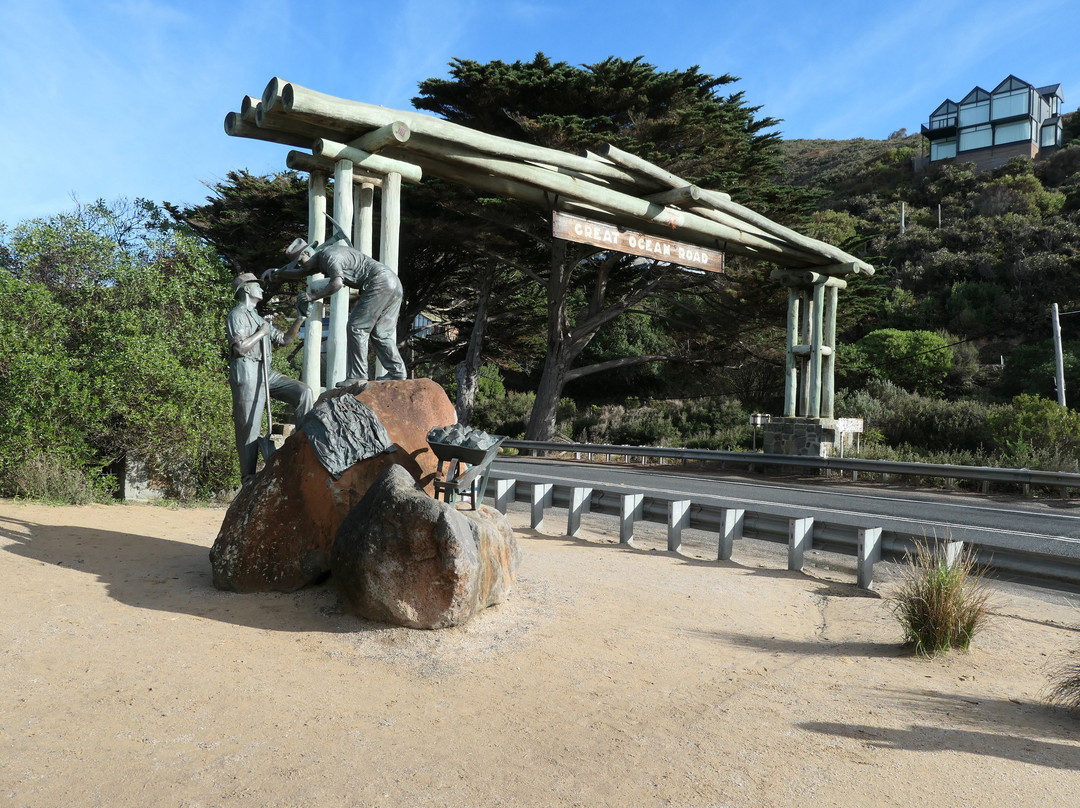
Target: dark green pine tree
{"x": 678, "y": 119}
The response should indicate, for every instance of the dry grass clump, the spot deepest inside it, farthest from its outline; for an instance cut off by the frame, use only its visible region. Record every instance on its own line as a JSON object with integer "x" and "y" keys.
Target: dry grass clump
{"x": 940, "y": 605}
{"x": 1065, "y": 685}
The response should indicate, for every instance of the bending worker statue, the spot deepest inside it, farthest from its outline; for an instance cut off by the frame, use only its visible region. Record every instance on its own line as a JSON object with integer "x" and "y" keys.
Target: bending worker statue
{"x": 250, "y": 374}
{"x": 375, "y": 312}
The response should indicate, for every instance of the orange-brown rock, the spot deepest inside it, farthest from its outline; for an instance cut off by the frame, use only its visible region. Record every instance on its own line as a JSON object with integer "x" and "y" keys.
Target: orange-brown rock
{"x": 402, "y": 557}
{"x": 278, "y": 531}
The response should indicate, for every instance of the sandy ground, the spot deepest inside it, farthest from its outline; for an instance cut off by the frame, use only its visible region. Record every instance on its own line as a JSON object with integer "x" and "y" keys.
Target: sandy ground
{"x": 612, "y": 676}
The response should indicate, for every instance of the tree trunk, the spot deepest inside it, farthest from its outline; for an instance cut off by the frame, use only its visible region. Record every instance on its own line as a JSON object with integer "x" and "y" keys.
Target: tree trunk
{"x": 561, "y": 353}
{"x": 468, "y": 371}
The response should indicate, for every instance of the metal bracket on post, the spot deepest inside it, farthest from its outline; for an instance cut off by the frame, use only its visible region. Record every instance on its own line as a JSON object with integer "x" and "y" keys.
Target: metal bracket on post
{"x": 631, "y": 507}
{"x": 733, "y": 520}
{"x": 504, "y": 494}
{"x": 579, "y": 504}
{"x": 539, "y": 497}
{"x": 800, "y": 539}
{"x": 678, "y": 520}
{"x": 869, "y": 552}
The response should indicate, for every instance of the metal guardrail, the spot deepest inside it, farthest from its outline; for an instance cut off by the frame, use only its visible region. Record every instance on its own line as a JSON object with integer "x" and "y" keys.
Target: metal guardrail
{"x": 1050, "y": 557}
{"x": 984, "y": 474}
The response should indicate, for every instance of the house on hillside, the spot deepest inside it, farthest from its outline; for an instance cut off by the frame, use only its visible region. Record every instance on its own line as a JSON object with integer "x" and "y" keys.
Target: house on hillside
{"x": 1015, "y": 119}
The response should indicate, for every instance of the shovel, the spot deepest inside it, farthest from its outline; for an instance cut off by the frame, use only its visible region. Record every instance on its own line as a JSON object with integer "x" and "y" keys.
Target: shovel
{"x": 266, "y": 446}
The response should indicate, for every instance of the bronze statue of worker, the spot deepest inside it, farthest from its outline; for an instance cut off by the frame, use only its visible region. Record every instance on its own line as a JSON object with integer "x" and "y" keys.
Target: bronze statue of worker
{"x": 250, "y": 374}
{"x": 375, "y": 313}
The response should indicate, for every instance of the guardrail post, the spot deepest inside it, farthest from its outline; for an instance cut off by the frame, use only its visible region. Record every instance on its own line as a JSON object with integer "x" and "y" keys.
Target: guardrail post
{"x": 953, "y": 551}
{"x": 732, "y": 520}
{"x": 678, "y": 518}
{"x": 540, "y": 496}
{"x": 631, "y": 507}
{"x": 504, "y": 494}
{"x": 800, "y": 539}
{"x": 869, "y": 552}
{"x": 579, "y": 504}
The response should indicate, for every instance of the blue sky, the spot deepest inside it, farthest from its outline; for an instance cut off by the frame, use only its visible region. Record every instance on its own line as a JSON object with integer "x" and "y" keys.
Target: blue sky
{"x": 126, "y": 98}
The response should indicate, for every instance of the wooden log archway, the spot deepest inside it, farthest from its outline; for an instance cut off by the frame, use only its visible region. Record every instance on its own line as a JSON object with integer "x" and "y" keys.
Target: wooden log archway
{"x": 377, "y": 148}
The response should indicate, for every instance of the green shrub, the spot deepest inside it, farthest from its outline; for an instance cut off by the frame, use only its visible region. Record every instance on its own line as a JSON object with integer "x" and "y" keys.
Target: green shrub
{"x": 940, "y": 605}
{"x": 508, "y": 415}
{"x": 918, "y": 361}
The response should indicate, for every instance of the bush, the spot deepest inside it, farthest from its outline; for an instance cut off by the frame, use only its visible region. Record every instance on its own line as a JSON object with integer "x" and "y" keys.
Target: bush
{"x": 1065, "y": 685}
{"x": 715, "y": 423}
{"x": 1034, "y": 431}
{"x": 112, "y": 327}
{"x": 933, "y": 425}
{"x": 918, "y": 361}
{"x": 940, "y": 605}
{"x": 50, "y": 478}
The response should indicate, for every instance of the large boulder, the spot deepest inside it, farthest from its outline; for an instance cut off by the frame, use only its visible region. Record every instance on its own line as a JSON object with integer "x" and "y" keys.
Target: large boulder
{"x": 402, "y": 557}
{"x": 278, "y": 531}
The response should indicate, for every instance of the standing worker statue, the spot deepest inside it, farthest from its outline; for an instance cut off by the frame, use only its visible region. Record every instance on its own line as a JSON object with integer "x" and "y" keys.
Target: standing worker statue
{"x": 375, "y": 312}
{"x": 250, "y": 374}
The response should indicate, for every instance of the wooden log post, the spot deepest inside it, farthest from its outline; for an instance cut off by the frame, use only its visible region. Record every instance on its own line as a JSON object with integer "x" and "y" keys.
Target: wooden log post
{"x": 803, "y": 349}
{"x": 390, "y": 232}
{"x": 791, "y": 370}
{"x": 828, "y": 379}
{"x": 816, "y": 334}
{"x": 311, "y": 366}
{"x": 393, "y": 134}
{"x": 337, "y": 340}
{"x": 364, "y": 217}
{"x": 370, "y": 162}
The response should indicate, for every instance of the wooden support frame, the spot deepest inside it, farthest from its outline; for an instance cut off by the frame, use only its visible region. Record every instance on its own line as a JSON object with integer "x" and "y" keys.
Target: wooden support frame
{"x": 386, "y": 147}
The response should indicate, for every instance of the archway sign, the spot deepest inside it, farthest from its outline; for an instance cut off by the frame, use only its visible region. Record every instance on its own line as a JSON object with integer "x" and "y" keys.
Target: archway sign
{"x": 610, "y": 197}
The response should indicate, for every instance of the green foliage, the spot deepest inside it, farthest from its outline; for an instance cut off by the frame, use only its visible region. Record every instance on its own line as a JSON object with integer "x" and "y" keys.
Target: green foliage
{"x": 713, "y": 423}
{"x": 1032, "y": 369}
{"x": 489, "y": 385}
{"x": 915, "y": 360}
{"x": 504, "y": 416}
{"x": 940, "y": 605}
{"x": 1039, "y": 424}
{"x": 902, "y": 418}
{"x": 118, "y": 354}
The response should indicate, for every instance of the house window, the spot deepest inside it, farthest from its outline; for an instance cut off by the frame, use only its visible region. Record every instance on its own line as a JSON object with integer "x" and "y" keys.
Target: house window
{"x": 976, "y": 137}
{"x": 975, "y": 113}
{"x": 1051, "y": 136}
{"x": 1011, "y": 103}
{"x": 1012, "y": 132}
{"x": 943, "y": 149}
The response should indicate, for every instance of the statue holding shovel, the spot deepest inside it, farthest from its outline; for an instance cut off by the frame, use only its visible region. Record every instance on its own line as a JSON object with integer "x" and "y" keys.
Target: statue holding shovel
{"x": 252, "y": 381}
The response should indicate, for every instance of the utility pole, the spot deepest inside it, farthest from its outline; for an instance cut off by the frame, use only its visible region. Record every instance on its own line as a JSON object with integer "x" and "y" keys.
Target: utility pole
{"x": 1059, "y": 360}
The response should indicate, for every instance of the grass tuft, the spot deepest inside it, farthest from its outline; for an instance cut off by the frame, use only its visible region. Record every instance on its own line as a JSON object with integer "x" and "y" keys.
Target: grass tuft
{"x": 1065, "y": 686}
{"x": 940, "y": 605}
